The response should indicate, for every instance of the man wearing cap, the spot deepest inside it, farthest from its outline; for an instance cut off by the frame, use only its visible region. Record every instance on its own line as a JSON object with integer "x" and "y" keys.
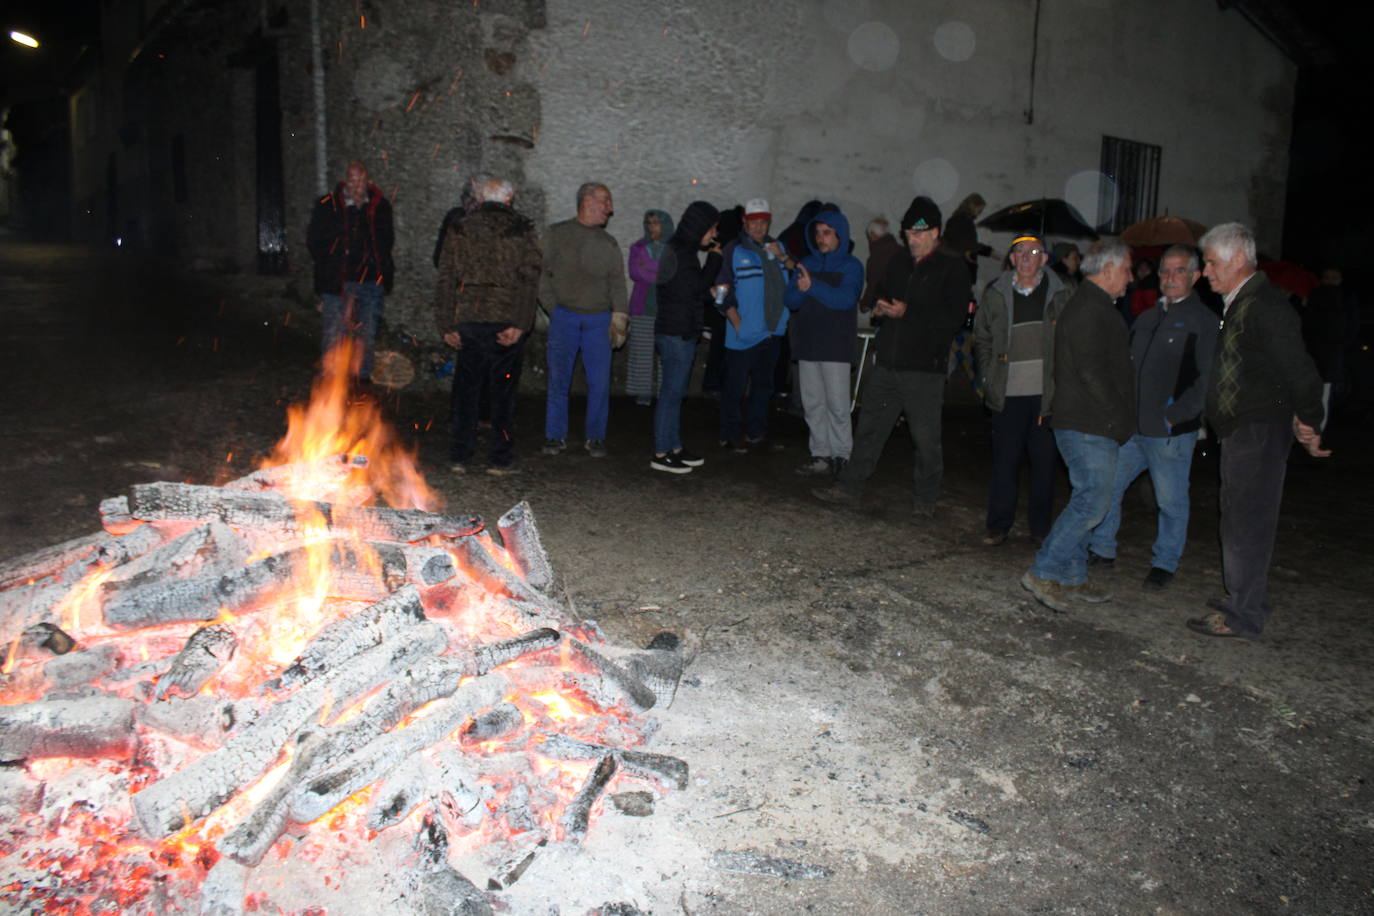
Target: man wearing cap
{"x": 1013, "y": 345}
{"x": 922, "y": 300}
{"x": 754, "y": 273}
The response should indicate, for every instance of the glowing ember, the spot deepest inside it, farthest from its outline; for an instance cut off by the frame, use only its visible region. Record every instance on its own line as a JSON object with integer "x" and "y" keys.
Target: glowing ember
{"x": 318, "y": 668}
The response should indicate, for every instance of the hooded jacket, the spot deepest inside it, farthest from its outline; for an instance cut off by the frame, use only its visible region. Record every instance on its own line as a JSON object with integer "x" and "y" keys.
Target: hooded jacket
{"x": 331, "y": 224}
{"x": 826, "y": 317}
{"x": 643, "y": 266}
{"x": 683, "y": 280}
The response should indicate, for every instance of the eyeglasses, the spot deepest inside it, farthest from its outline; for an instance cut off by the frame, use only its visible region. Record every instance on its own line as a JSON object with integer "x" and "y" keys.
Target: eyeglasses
{"x": 1031, "y": 252}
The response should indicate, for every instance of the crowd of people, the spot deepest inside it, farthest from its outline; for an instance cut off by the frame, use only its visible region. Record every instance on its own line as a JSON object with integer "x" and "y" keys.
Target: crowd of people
{"x": 1110, "y": 370}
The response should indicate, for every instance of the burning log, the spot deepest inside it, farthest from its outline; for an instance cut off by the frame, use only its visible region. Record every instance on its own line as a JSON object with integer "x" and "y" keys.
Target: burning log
{"x": 368, "y": 764}
{"x": 80, "y": 667}
{"x": 207, "y": 651}
{"x": 401, "y": 792}
{"x": 494, "y": 654}
{"x": 49, "y": 561}
{"x": 458, "y": 790}
{"x": 204, "y": 721}
{"x": 501, "y": 720}
{"x": 654, "y": 766}
{"x": 289, "y": 518}
{"x": 534, "y": 607}
{"x": 195, "y": 790}
{"x": 93, "y": 726}
{"x": 329, "y": 472}
{"x": 210, "y": 547}
{"x": 249, "y": 841}
{"x": 579, "y": 811}
{"x": 520, "y": 536}
{"x": 625, "y": 683}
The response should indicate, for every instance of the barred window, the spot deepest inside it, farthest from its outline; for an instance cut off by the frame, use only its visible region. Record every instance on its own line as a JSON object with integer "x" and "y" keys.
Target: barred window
{"x": 1130, "y": 184}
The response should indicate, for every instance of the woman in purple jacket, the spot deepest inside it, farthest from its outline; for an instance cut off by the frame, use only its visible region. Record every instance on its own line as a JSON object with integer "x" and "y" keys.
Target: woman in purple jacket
{"x": 644, "y": 254}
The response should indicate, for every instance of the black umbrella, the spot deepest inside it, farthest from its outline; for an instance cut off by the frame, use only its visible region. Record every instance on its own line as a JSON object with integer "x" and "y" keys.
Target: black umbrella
{"x": 1047, "y": 216}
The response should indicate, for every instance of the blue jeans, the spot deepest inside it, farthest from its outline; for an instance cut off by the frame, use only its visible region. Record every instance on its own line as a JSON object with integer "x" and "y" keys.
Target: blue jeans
{"x": 1168, "y": 459}
{"x": 675, "y": 355}
{"x": 570, "y": 333}
{"x": 354, "y": 312}
{"x": 1092, "y": 470}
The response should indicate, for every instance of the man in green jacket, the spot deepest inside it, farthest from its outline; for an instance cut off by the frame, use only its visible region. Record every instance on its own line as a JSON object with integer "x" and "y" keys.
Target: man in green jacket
{"x": 1264, "y": 391}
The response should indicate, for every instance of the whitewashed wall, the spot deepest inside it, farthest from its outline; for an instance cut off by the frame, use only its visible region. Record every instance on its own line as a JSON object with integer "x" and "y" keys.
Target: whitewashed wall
{"x": 869, "y": 102}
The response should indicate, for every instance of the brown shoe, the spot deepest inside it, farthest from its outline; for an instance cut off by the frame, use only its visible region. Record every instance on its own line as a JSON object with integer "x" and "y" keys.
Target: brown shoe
{"x": 1093, "y": 594}
{"x": 994, "y": 539}
{"x": 1047, "y": 591}
{"x": 1213, "y": 624}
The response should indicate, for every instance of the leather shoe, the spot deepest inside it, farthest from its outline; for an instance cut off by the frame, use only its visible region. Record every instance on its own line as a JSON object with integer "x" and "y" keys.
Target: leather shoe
{"x": 994, "y": 539}
{"x": 1158, "y": 578}
{"x": 1213, "y": 624}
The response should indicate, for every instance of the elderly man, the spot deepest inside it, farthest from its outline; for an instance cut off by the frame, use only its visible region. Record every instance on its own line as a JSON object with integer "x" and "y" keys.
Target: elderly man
{"x": 1264, "y": 391}
{"x": 350, "y": 239}
{"x": 484, "y": 305}
{"x": 922, "y": 301}
{"x": 754, "y": 273}
{"x": 1093, "y": 409}
{"x": 1013, "y": 345}
{"x": 583, "y": 287}
{"x": 1171, "y": 344}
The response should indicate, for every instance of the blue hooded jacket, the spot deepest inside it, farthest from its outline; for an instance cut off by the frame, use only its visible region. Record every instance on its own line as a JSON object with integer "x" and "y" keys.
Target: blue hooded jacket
{"x": 827, "y": 315}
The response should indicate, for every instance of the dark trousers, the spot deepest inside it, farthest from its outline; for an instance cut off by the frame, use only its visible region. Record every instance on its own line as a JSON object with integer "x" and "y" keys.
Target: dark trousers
{"x": 752, "y": 368}
{"x": 1254, "y": 460}
{"x": 482, "y": 362}
{"x": 887, "y": 394}
{"x": 713, "y": 379}
{"x": 1017, "y": 435}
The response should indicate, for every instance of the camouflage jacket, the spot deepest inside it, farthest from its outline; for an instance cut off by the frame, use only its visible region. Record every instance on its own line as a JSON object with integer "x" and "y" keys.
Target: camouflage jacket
{"x": 488, "y": 270}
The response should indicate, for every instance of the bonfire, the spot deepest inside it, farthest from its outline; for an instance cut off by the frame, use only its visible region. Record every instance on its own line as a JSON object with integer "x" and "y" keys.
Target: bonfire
{"x": 251, "y": 697}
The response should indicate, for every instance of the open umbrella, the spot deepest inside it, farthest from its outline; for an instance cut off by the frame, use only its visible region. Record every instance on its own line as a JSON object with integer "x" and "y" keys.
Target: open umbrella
{"x": 1047, "y": 216}
{"x": 1293, "y": 278}
{"x": 1164, "y": 230}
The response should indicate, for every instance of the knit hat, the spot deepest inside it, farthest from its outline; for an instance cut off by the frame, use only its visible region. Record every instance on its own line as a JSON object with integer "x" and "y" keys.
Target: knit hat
{"x": 922, "y": 214}
{"x": 756, "y": 208}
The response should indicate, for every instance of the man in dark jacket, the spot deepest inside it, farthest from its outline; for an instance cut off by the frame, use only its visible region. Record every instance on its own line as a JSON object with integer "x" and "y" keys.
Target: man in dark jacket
{"x": 1093, "y": 409}
{"x": 1171, "y": 344}
{"x": 922, "y": 301}
{"x": 683, "y": 283}
{"x": 1263, "y": 392}
{"x": 484, "y": 305}
{"x": 350, "y": 239}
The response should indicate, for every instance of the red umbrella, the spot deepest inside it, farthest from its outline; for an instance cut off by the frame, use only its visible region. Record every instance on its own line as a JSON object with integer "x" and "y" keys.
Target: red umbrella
{"x": 1164, "y": 230}
{"x": 1291, "y": 277}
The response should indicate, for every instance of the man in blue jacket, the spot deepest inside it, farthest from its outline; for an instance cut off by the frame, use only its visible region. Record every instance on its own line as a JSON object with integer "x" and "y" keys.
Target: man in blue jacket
{"x": 823, "y": 293}
{"x": 1171, "y": 344}
{"x": 754, "y": 271}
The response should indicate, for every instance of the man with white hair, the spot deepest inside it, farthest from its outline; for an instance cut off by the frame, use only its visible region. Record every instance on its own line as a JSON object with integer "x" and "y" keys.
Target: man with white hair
{"x": 1093, "y": 411}
{"x": 1263, "y": 392}
{"x": 489, "y": 270}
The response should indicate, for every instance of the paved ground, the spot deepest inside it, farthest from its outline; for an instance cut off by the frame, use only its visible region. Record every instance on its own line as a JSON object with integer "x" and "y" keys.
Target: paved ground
{"x": 875, "y": 699}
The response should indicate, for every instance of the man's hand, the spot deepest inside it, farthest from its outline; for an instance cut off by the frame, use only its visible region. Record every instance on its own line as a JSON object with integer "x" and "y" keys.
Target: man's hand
{"x": 453, "y": 339}
{"x": 890, "y": 308}
{"x": 1310, "y": 439}
{"x": 509, "y": 337}
{"x": 619, "y": 329}
{"x": 804, "y": 281}
{"x": 732, "y": 316}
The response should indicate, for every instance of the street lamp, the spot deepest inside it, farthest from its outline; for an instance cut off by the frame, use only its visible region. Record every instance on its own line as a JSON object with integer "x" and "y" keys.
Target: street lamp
{"x": 20, "y": 38}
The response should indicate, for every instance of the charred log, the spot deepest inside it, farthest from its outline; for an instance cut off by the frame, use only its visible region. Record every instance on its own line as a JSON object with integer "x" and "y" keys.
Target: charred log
{"x": 501, "y": 720}
{"x": 629, "y": 686}
{"x": 331, "y": 471}
{"x": 520, "y": 536}
{"x": 401, "y": 792}
{"x": 495, "y": 654}
{"x": 207, "y": 651}
{"x": 276, "y": 515}
{"x": 98, "y": 726}
{"x": 660, "y": 767}
{"x": 579, "y": 811}
{"x": 208, "y": 547}
{"x": 49, "y": 636}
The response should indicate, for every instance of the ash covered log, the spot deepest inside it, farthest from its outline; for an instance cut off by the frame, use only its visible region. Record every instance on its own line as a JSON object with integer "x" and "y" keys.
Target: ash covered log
{"x": 180, "y": 600}
{"x": 501, "y": 720}
{"x": 248, "y": 842}
{"x": 26, "y": 605}
{"x": 577, "y": 816}
{"x": 204, "y": 721}
{"x": 197, "y": 789}
{"x": 492, "y": 655}
{"x": 520, "y": 536}
{"x": 402, "y": 790}
{"x": 206, "y": 651}
{"x": 640, "y": 763}
{"x": 458, "y": 790}
{"x": 276, "y": 515}
{"x": 331, "y": 471}
{"x": 94, "y": 726}
{"x": 371, "y": 761}
{"x": 49, "y": 561}
{"x": 533, "y": 606}
{"x": 81, "y": 667}
{"x": 206, "y": 548}
{"x": 350, "y": 635}
{"x": 639, "y": 696}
